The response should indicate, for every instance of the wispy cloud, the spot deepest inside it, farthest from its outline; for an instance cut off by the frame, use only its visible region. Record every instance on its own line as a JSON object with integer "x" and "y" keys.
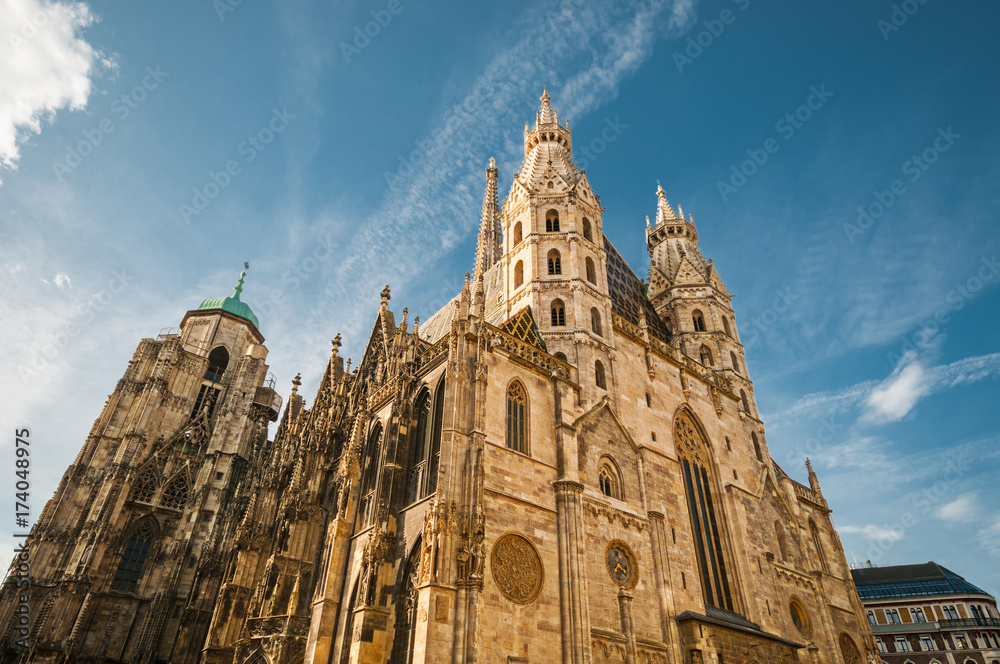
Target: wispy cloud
{"x": 989, "y": 538}
{"x": 963, "y": 509}
{"x": 875, "y": 533}
{"x": 893, "y": 398}
{"x": 45, "y": 65}
{"x": 63, "y": 281}
{"x": 429, "y": 208}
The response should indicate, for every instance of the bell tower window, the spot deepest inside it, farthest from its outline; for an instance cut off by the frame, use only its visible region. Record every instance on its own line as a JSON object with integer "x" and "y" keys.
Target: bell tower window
{"x": 555, "y": 262}
{"x": 218, "y": 360}
{"x": 551, "y": 221}
{"x": 519, "y": 274}
{"x": 558, "y": 313}
{"x": 587, "y": 234}
{"x": 595, "y": 321}
{"x": 517, "y": 234}
{"x": 699, "y": 320}
{"x": 599, "y": 375}
{"x": 591, "y": 271}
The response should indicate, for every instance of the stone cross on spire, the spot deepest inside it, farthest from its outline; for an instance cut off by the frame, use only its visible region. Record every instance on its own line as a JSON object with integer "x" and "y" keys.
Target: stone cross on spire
{"x": 490, "y": 245}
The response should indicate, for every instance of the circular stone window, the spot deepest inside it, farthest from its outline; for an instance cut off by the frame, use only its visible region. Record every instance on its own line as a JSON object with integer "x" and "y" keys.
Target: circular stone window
{"x": 799, "y": 618}
{"x": 516, "y": 568}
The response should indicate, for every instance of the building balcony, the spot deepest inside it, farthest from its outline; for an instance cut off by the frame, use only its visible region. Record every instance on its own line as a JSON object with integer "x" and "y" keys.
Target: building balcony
{"x": 267, "y": 398}
{"x": 969, "y": 622}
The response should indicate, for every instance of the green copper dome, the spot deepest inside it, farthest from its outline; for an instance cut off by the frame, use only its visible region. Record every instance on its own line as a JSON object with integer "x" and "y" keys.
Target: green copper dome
{"x": 232, "y": 304}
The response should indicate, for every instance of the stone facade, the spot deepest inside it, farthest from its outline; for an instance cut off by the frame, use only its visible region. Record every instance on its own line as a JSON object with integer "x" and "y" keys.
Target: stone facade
{"x": 564, "y": 464}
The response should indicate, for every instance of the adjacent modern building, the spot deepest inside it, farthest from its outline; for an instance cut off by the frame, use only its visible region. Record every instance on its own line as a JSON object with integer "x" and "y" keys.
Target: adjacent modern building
{"x": 927, "y": 614}
{"x": 564, "y": 464}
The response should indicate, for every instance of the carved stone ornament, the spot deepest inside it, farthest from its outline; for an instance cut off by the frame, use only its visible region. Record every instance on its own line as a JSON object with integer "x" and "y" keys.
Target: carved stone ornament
{"x": 850, "y": 651}
{"x": 517, "y": 569}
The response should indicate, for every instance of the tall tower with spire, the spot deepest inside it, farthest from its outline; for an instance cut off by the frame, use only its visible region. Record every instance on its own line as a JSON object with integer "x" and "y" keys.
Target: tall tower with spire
{"x": 690, "y": 297}
{"x": 554, "y": 258}
{"x": 124, "y": 557}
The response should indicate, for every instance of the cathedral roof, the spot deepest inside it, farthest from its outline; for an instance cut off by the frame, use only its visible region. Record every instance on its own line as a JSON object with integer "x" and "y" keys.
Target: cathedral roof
{"x": 628, "y": 295}
{"x": 232, "y": 304}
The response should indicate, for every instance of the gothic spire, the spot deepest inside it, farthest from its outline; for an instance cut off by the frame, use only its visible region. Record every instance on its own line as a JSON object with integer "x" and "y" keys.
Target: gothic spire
{"x": 489, "y": 246}
{"x": 545, "y": 114}
{"x": 664, "y": 212}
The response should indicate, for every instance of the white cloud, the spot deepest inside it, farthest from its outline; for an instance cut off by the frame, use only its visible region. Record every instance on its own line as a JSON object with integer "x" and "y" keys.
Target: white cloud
{"x": 45, "y": 66}
{"x": 429, "y": 209}
{"x": 961, "y": 509}
{"x": 875, "y": 533}
{"x": 899, "y": 393}
{"x": 865, "y": 452}
{"x": 989, "y": 538}
{"x": 63, "y": 280}
{"x": 893, "y": 398}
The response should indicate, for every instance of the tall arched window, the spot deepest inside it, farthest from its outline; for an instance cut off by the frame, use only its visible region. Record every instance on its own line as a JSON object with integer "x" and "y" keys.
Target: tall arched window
{"x": 818, "y": 543}
{"x": 700, "y": 490}
{"x": 555, "y": 263}
{"x": 175, "y": 494}
{"x": 417, "y": 472}
{"x": 517, "y": 423}
{"x": 558, "y": 313}
{"x": 130, "y": 568}
{"x": 218, "y": 360}
{"x": 736, "y": 362}
{"x": 552, "y": 221}
{"x": 369, "y": 475}
{"x": 745, "y": 400}
{"x": 587, "y": 233}
{"x": 756, "y": 447}
{"x": 699, "y": 320}
{"x": 518, "y": 234}
{"x": 725, "y": 327}
{"x": 591, "y": 271}
{"x": 599, "y": 375}
{"x": 434, "y": 453}
{"x": 609, "y": 480}
{"x": 595, "y": 321}
{"x": 706, "y": 356}
{"x": 518, "y": 274}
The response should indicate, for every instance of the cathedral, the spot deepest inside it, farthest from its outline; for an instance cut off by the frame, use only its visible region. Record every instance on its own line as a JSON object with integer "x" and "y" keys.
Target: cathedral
{"x": 564, "y": 464}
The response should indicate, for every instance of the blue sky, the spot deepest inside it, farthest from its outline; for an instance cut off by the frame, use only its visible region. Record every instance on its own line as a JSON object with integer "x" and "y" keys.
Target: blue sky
{"x": 352, "y": 164}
